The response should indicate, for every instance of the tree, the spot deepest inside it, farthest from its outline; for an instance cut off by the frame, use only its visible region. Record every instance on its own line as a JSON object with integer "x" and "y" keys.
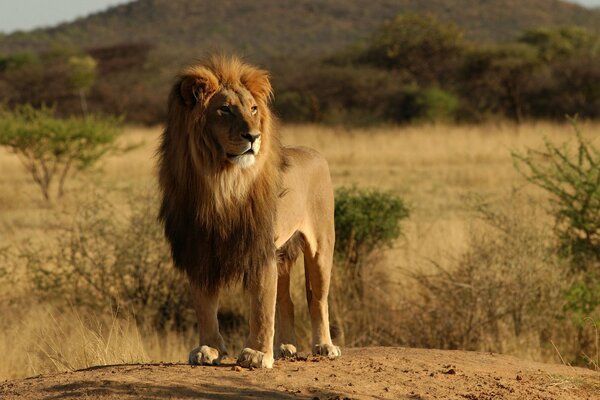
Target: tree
{"x": 572, "y": 56}
{"x": 50, "y": 147}
{"x": 82, "y": 78}
{"x": 420, "y": 44}
{"x": 498, "y": 78}
{"x": 564, "y": 42}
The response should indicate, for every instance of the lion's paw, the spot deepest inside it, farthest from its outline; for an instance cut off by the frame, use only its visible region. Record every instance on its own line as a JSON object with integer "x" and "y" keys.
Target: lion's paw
{"x": 327, "y": 350}
{"x": 255, "y": 359}
{"x": 205, "y": 355}
{"x": 286, "y": 350}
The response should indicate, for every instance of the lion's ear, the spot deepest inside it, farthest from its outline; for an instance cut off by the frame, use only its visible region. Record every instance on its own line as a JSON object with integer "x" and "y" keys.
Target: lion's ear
{"x": 258, "y": 83}
{"x": 197, "y": 85}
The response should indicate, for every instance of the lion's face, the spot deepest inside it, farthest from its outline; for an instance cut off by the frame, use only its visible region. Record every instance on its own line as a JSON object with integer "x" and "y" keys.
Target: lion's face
{"x": 233, "y": 120}
{"x": 227, "y": 101}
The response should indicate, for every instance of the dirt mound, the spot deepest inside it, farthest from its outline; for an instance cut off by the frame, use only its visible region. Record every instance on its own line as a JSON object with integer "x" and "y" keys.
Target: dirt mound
{"x": 382, "y": 373}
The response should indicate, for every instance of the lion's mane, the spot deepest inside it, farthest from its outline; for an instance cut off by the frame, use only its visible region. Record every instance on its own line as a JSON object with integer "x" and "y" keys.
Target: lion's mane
{"x": 218, "y": 218}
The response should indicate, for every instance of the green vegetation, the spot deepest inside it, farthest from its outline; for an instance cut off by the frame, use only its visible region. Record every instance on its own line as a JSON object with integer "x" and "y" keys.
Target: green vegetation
{"x": 365, "y": 221}
{"x": 50, "y": 147}
{"x": 399, "y": 62}
{"x": 417, "y": 68}
{"x": 421, "y": 46}
{"x": 570, "y": 174}
{"x": 82, "y": 78}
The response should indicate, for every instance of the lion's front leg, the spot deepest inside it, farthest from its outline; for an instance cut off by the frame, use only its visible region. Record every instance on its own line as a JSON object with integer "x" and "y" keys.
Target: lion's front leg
{"x": 211, "y": 347}
{"x": 259, "y": 347}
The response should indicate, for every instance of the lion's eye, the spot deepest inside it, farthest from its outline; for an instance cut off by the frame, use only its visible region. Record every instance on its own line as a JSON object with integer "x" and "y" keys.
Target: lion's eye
{"x": 225, "y": 109}
{"x": 254, "y": 110}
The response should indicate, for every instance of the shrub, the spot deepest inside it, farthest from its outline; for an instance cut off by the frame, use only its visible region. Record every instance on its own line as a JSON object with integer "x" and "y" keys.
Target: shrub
{"x": 435, "y": 105}
{"x": 570, "y": 174}
{"x": 366, "y": 222}
{"x": 50, "y": 148}
{"x": 113, "y": 262}
{"x": 505, "y": 293}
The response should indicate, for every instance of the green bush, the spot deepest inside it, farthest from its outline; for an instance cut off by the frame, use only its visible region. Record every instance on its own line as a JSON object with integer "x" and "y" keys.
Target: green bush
{"x": 365, "y": 221}
{"x": 570, "y": 173}
{"x": 50, "y": 147}
{"x": 435, "y": 105}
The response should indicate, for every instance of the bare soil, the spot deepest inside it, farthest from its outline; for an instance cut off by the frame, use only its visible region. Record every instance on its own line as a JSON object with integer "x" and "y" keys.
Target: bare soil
{"x": 361, "y": 373}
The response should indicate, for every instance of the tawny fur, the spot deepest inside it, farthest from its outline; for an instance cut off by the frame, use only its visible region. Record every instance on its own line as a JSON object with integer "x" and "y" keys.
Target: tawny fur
{"x": 236, "y": 204}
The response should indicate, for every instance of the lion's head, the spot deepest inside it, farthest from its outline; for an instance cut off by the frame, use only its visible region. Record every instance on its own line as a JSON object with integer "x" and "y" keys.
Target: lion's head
{"x": 220, "y": 166}
{"x": 229, "y": 116}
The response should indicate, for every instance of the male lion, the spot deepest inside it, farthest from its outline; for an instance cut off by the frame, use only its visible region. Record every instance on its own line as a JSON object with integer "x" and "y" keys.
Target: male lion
{"x": 237, "y": 204}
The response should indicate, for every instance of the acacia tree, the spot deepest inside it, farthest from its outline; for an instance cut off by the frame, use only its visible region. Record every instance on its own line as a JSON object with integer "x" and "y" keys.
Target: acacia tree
{"x": 420, "y": 45}
{"x": 50, "y": 147}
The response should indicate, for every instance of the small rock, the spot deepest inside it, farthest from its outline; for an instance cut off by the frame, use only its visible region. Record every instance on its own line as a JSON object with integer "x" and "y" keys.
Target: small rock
{"x": 519, "y": 378}
{"x": 451, "y": 371}
{"x": 236, "y": 368}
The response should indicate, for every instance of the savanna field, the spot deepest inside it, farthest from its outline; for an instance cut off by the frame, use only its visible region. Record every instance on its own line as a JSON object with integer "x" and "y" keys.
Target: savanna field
{"x": 468, "y": 272}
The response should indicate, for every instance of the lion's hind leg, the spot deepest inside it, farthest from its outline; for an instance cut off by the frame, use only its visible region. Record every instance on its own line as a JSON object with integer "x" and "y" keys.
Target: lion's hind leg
{"x": 317, "y": 266}
{"x": 285, "y": 342}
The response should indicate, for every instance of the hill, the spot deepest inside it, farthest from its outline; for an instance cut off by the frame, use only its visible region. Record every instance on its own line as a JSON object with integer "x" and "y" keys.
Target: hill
{"x": 265, "y": 29}
{"x": 138, "y": 48}
{"x": 382, "y": 373}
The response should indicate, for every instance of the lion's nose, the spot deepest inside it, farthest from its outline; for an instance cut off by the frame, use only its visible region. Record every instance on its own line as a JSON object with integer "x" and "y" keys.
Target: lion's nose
{"x": 251, "y": 136}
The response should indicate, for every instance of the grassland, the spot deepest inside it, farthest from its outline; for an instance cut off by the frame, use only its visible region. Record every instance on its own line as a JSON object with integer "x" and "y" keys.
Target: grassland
{"x": 435, "y": 168}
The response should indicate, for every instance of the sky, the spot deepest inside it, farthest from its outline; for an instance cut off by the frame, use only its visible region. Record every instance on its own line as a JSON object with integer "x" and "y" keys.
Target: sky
{"x": 30, "y": 14}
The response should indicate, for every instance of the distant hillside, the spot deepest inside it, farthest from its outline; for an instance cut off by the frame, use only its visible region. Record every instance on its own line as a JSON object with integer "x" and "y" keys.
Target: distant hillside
{"x": 140, "y": 46}
{"x": 267, "y": 29}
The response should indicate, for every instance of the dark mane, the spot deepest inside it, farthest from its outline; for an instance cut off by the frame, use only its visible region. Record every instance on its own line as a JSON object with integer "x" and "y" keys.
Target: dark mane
{"x": 218, "y": 238}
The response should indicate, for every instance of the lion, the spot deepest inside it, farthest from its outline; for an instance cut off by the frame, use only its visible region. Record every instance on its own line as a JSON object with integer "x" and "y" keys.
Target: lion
{"x": 238, "y": 205}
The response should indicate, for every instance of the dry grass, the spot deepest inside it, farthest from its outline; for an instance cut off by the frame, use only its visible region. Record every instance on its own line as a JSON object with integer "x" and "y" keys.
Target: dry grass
{"x": 435, "y": 168}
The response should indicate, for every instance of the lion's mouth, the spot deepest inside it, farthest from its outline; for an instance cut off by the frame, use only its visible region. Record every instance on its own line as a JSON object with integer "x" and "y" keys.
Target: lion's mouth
{"x": 247, "y": 152}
